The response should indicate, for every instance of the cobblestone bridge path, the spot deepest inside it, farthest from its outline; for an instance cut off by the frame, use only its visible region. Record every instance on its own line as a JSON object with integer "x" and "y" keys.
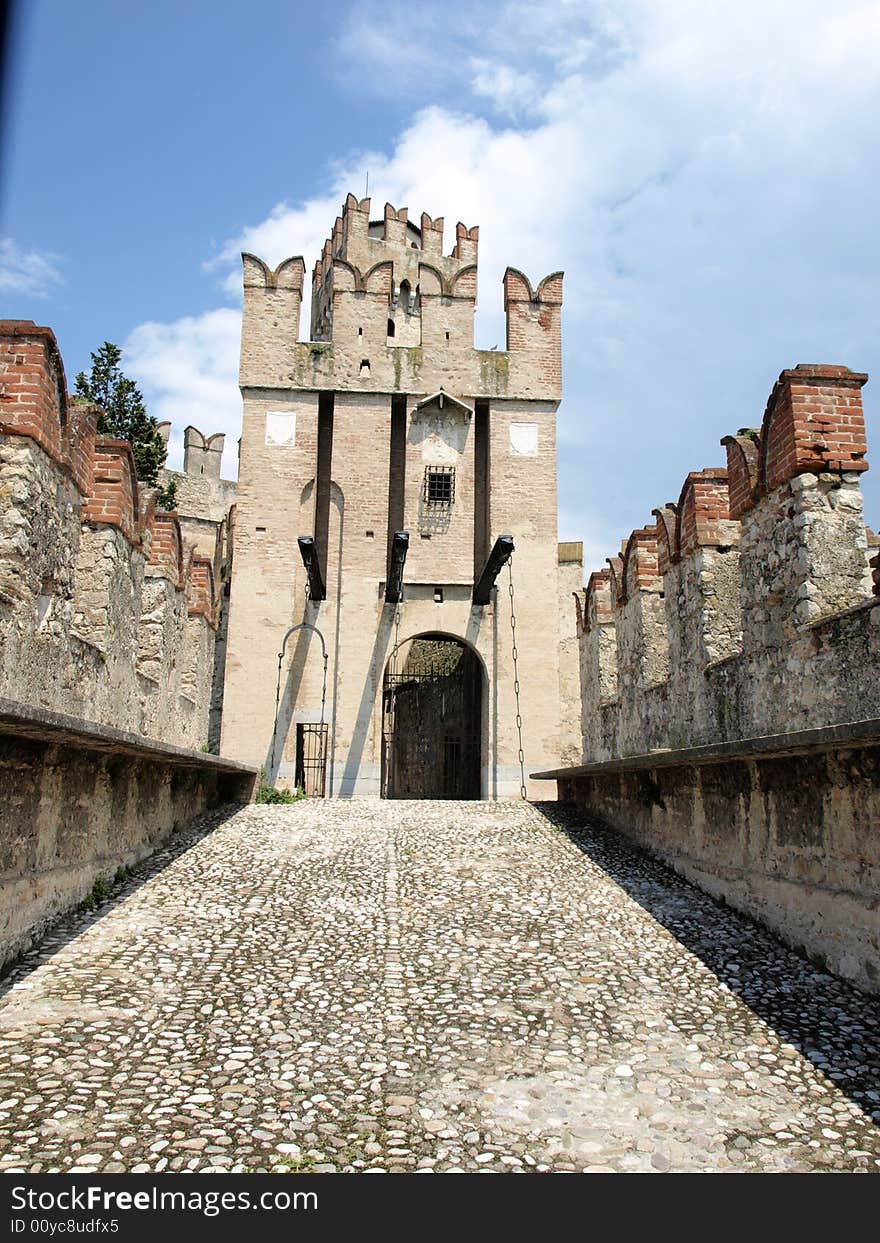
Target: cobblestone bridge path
{"x": 448, "y": 986}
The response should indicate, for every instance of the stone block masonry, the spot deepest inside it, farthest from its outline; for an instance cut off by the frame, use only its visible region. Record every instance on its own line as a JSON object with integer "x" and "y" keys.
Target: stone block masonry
{"x": 82, "y": 801}
{"x": 109, "y": 616}
{"x": 782, "y": 827}
{"x": 105, "y": 611}
{"x": 747, "y": 612}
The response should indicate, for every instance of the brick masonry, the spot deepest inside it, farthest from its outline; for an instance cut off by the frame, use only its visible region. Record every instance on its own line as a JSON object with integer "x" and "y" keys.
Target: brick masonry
{"x": 392, "y": 320}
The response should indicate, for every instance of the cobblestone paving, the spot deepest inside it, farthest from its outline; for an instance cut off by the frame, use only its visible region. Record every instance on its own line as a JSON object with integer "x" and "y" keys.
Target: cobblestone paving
{"x": 446, "y": 986}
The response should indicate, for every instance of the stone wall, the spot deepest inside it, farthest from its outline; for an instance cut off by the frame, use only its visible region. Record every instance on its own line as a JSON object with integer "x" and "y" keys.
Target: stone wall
{"x": 748, "y": 607}
{"x": 80, "y": 802}
{"x": 783, "y": 828}
{"x": 205, "y": 506}
{"x": 570, "y": 582}
{"x": 104, "y": 611}
{"x": 749, "y": 610}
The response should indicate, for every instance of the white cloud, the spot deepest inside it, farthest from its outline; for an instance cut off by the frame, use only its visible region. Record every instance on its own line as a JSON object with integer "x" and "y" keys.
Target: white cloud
{"x": 28, "y": 272}
{"x": 511, "y": 91}
{"x": 188, "y": 371}
{"x": 705, "y": 173}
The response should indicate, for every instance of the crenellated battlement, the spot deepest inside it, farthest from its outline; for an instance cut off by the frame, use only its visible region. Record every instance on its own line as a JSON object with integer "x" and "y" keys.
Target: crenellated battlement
{"x": 200, "y": 595}
{"x": 202, "y": 454}
{"x": 104, "y": 608}
{"x": 113, "y": 499}
{"x": 754, "y": 594}
{"x": 166, "y": 555}
{"x": 387, "y": 419}
{"x": 728, "y": 678}
{"x": 391, "y": 313}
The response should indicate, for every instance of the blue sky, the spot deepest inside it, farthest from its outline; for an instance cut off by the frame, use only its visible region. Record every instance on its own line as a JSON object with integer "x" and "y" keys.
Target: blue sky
{"x": 707, "y": 175}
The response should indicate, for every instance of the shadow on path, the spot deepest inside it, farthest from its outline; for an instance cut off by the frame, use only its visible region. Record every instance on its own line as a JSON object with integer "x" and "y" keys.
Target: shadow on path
{"x": 68, "y": 927}
{"x": 830, "y": 1022}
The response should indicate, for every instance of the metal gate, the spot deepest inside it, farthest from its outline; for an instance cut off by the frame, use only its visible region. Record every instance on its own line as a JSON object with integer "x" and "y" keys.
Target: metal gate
{"x": 431, "y": 744}
{"x": 311, "y": 760}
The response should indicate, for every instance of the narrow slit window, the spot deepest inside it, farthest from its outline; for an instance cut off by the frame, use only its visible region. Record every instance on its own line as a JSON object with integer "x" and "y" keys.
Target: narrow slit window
{"x": 439, "y": 486}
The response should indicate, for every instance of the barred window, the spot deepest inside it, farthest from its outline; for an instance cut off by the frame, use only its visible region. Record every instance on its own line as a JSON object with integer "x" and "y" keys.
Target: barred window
{"x": 439, "y": 485}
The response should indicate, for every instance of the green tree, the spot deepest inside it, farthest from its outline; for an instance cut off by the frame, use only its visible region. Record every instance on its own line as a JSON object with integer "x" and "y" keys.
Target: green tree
{"x": 124, "y": 416}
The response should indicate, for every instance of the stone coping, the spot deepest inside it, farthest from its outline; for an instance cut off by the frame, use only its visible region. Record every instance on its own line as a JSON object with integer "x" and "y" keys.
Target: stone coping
{"x": 827, "y": 737}
{"x": 43, "y": 725}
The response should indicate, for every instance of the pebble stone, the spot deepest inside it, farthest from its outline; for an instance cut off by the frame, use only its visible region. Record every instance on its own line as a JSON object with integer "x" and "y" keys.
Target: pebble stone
{"x": 382, "y": 987}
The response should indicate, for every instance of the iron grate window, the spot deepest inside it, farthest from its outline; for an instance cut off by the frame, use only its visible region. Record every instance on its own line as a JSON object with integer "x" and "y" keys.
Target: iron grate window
{"x": 439, "y": 485}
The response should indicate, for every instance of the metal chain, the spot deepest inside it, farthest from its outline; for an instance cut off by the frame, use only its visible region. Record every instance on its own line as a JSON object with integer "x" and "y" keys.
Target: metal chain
{"x": 323, "y": 733}
{"x": 389, "y": 707}
{"x": 522, "y": 758}
{"x": 395, "y": 655}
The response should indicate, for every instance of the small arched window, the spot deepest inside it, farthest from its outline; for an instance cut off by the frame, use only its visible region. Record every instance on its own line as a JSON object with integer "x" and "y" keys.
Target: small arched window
{"x": 391, "y": 328}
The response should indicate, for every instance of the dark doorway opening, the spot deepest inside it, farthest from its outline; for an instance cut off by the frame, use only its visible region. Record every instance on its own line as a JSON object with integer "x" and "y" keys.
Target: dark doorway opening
{"x": 431, "y": 716}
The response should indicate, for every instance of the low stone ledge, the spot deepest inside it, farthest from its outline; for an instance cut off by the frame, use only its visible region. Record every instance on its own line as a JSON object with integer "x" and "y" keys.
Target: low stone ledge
{"x": 785, "y": 828}
{"x": 827, "y": 737}
{"x": 43, "y": 725}
{"x": 841, "y": 616}
{"x": 80, "y": 801}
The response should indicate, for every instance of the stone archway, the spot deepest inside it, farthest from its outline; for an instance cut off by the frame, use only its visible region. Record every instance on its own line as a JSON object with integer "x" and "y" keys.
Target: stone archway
{"x": 432, "y": 698}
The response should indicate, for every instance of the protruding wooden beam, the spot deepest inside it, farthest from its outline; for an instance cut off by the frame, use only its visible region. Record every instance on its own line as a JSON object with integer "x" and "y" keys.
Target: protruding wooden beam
{"x": 502, "y": 550}
{"x": 394, "y": 586}
{"x": 309, "y": 554}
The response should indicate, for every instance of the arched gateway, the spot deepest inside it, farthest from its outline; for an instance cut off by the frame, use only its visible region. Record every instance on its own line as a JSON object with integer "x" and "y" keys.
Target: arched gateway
{"x": 445, "y": 456}
{"x": 432, "y": 699}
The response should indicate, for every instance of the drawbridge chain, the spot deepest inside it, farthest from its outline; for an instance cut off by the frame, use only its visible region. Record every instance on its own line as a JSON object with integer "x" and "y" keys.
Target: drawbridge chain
{"x": 522, "y": 758}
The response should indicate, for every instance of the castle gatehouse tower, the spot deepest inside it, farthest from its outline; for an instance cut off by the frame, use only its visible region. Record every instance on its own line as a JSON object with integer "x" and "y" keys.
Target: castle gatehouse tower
{"x": 382, "y": 462}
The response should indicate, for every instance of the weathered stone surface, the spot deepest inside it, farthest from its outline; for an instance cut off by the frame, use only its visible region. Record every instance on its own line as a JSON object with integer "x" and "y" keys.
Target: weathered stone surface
{"x": 394, "y": 986}
{"x": 747, "y": 615}
{"x": 80, "y": 802}
{"x": 90, "y": 622}
{"x": 787, "y": 836}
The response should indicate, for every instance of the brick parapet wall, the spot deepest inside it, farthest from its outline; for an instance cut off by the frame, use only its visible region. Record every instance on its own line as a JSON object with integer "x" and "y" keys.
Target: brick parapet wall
{"x": 113, "y": 500}
{"x": 34, "y": 403}
{"x": 666, "y": 525}
{"x": 33, "y": 389}
{"x": 742, "y": 471}
{"x": 745, "y": 572}
{"x": 703, "y": 512}
{"x": 78, "y": 537}
{"x": 200, "y": 589}
{"x": 640, "y": 571}
{"x": 166, "y": 550}
{"x": 813, "y": 423}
